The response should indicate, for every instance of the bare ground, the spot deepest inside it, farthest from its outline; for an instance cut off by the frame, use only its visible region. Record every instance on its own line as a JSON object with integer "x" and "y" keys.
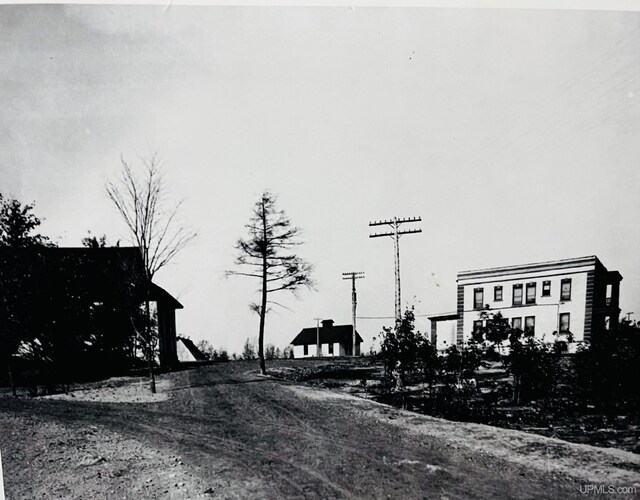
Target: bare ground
{"x": 224, "y": 432}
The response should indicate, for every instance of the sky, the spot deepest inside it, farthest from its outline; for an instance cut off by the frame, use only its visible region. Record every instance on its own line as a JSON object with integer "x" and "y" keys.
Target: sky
{"x": 513, "y": 134}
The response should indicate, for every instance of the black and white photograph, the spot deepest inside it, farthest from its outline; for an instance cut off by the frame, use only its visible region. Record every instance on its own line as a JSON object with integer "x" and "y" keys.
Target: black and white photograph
{"x": 314, "y": 251}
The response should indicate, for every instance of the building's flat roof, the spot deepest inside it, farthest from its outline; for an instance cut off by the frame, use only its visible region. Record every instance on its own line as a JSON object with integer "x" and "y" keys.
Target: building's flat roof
{"x": 591, "y": 260}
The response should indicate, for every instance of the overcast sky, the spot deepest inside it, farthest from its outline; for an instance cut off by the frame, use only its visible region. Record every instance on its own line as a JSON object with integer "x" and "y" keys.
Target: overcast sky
{"x": 512, "y": 133}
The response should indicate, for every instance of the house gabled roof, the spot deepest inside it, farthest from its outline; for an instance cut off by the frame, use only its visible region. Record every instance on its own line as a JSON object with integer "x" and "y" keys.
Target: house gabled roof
{"x": 100, "y": 273}
{"x": 97, "y": 272}
{"x": 159, "y": 294}
{"x": 341, "y": 334}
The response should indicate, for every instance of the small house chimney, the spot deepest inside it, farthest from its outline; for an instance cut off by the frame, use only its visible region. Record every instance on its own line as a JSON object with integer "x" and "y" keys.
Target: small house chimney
{"x": 327, "y": 323}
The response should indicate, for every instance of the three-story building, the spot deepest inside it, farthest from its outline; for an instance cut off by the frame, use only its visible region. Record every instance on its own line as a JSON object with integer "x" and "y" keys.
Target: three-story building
{"x": 572, "y": 295}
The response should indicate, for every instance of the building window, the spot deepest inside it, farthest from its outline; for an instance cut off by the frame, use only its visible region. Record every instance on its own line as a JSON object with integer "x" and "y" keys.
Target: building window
{"x": 565, "y": 289}
{"x": 546, "y": 288}
{"x": 564, "y": 323}
{"x": 331, "y": 348}
{"x": 477, "y": 325}
{"x": 517, "y": 295}
{"x": 530, "y": 325}
{"x": 516, "y": 323}
{"x": 531, "y": 293}
{"x": 609, "y": 293}
{"x": 306, "y": 349}
{"x": 607, "y": 322}
{"x": 497, "y": 293}
{"x": 478, "y": 298}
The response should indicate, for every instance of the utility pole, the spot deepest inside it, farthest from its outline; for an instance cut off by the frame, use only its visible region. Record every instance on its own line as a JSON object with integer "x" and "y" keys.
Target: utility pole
{"x": 629, "y": 314}
{"x": 353, "y": 276}
{"x": 395, "y": 234}
{"x": 317, "y": 337}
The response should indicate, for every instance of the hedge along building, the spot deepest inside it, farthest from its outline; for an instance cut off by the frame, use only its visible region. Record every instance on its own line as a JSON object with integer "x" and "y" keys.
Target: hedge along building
{"x": 577, "y": 296}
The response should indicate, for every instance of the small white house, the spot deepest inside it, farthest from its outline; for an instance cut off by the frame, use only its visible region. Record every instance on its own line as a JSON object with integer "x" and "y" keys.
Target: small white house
{"x": 335, "y": 340}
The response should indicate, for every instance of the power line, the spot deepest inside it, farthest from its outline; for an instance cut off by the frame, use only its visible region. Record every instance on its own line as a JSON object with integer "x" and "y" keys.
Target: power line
{"x": 395, "y": 234}
{"x": 393, "y": 317}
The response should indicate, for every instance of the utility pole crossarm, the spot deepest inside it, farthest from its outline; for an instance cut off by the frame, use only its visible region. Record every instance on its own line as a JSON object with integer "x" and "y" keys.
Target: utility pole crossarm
{"x": 393, "y": 221}
{"x": 406, "y": 231}
{"x": 351, "y": 275}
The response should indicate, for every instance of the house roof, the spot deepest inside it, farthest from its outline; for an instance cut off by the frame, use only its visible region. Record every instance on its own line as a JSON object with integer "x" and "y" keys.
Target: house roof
{"x": 159, "y": 294}
{"x": 328, "y": 335}
{"x": 101, "y": 273}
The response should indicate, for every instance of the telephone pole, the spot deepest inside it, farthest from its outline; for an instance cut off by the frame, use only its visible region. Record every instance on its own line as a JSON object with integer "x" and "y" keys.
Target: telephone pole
{"x": 317, "y": 337}
{"x": 395, "y": 234}
{"x": 353, "y": 276}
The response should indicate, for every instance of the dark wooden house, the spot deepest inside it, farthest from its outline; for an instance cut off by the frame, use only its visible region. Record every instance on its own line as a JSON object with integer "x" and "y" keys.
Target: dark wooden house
{"x": 82, "y": 299}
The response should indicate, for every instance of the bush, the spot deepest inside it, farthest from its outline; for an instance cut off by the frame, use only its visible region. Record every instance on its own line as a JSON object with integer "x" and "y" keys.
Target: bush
{"x": 461, "y": 362}
{"x": 608, "y": 370}
{"x": 534, "y": 368}
{"x": 407, "y": 354}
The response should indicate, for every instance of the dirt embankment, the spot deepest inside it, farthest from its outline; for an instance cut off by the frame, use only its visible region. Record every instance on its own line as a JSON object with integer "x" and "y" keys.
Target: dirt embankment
{"x": 489, "y": 402}
{"x": 554, "y": 457}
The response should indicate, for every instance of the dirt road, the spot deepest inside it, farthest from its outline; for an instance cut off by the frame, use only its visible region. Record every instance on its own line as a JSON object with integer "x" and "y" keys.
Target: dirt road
{"x": 225, "y": 432}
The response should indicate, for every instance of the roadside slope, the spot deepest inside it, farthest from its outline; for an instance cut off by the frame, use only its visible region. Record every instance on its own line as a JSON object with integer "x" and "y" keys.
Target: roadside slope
{"x": 554, "y": 457}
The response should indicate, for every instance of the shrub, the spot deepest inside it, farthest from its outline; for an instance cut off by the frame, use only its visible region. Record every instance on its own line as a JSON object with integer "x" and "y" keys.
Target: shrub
{"x": 534, "y": 368}
{"x": 461, "y": 362}
{"x": 407, "y": 354}
{"x": 608, "y": 370}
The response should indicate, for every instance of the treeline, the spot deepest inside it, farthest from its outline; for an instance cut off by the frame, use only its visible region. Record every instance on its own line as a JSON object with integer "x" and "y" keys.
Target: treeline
{"x": 249, "y": 351}
{"x": 211, "y": 352}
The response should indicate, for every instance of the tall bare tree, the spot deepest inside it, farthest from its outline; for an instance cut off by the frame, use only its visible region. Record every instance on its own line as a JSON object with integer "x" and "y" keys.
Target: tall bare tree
{"x": 265, "y": 254}
{"x": 154, "y": 228}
